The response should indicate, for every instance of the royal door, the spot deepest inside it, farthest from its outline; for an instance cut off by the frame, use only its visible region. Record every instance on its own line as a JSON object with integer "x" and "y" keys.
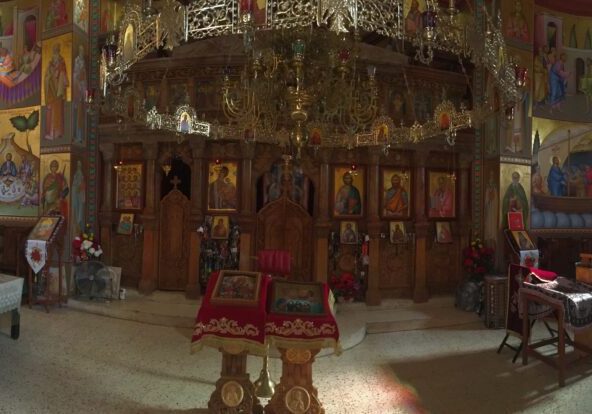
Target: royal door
{"x": 173, "y": 263}
{"x": 285, "y": 225}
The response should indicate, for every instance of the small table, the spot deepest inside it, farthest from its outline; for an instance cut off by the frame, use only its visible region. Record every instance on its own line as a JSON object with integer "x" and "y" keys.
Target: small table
{"x": 11, "y": 292}
{"x": 568, "y": 301}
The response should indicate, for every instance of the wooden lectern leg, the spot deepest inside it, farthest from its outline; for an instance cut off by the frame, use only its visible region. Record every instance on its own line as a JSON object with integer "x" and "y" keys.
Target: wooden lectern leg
{"x": 234, "y": 391}
{"x": 295, "y": 393}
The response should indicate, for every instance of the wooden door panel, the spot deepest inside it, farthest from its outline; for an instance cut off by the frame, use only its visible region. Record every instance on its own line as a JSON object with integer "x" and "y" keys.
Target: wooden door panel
{"x": 174, "y": 241}
{"x": 284, "y": 225}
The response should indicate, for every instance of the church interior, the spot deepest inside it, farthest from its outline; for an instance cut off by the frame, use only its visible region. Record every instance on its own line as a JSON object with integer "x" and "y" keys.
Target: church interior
{"x": 279, "y": 206}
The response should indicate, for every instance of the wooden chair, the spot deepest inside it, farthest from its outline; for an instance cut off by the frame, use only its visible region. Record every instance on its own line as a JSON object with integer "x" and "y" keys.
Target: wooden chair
{"x": 277, "y": 263}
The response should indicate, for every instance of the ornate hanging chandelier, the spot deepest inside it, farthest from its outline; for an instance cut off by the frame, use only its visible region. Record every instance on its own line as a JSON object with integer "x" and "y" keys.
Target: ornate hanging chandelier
{"x": 303, "y": 71}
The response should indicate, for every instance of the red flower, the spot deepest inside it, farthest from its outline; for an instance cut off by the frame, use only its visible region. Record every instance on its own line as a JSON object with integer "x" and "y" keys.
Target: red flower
{"x": 468, "y": 262}
{"x": 36, "y": 254}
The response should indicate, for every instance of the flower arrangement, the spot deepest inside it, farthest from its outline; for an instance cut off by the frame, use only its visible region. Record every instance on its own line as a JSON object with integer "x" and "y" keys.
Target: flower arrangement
{"x": 85, "y": 247}
{"x": 478, "y": 260}
{"x": 345, "y": 285}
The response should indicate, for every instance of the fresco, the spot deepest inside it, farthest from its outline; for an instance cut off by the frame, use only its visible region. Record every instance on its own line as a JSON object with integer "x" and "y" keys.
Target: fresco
{"x": 517, "y": 21}
{"x": 516, "y": 133}
{"x": 20, "y": 56}
{"x": 561, "y": 174}
{"x": 56, "y": 91}
{"x": 111, "y": 11}
{"x": 79, "y": 89}
{"x": 514, "y": 191}
{"x": 57, "y": 14}
{"x": 412, "y": 11}
{"x": 562, "y": 87}
{"x": 55, "y": 188}
{"x": 78, "y": 195}
{"x": 19, "y": 162}
{"x": 81, "y": 14}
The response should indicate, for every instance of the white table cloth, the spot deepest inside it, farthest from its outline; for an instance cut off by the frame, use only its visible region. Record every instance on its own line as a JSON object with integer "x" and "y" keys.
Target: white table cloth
{"x": 11, "y": 292}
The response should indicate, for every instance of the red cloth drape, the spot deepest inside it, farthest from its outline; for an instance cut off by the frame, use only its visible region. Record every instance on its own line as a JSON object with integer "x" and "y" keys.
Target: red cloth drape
{"x": 277, "y": 262}
{"x": 230, "y": 325}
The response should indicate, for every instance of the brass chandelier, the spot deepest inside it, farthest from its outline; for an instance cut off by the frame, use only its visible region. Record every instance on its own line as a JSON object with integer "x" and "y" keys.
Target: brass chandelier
{"x": 302, "y": 83}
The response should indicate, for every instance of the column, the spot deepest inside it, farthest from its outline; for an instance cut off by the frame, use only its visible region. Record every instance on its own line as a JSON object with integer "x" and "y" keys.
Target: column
{"x": 464, "y": 208}
{"x": 192, "y": 290}
{"x": 105, "y": 216}
{"x": 322, "y": 224}
{"x": 148, "y": 281}
{"x": 245, "y": 219}
{"x": 420, "y": 290}
{"x": 374, "y": 226}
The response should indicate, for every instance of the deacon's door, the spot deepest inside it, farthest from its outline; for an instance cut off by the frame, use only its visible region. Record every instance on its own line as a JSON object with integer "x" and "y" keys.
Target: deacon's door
{"x": 173, "y": 263}
{"x": 285, "y": 225}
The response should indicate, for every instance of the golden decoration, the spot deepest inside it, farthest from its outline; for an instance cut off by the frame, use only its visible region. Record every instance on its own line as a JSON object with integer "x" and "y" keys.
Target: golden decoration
{"x": 233, "y": 348}
{"x": 298, "y": 356}
{"x": 299, "y": 327}
{"x": 297, "y": 400}
{"x": 232, "y": 394}
{"x": 225, "y": 326}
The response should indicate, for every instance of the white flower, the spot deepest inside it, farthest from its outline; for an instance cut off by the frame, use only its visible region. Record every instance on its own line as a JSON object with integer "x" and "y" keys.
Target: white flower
{"x": 98, "y": 252}
{"x": 92, "y": 250}
{"x": 87, "y": 244}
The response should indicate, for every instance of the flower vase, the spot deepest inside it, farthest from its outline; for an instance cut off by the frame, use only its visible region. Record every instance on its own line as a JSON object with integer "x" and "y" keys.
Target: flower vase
{"x": 468, "y": 295}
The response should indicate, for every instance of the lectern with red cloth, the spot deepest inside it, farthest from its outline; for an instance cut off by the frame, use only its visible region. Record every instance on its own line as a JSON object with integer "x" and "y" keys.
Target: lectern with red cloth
{"x": 299, "y": 323}
{"x": 231, "y": 324}
{"x": 232, "y": 319}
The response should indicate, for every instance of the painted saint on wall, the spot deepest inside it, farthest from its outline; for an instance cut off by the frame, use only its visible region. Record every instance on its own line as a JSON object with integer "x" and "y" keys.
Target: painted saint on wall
{"x": 515, "y": 196}
{"x": 516, "y": 26}
{"x": 78, "y": 199}
{"x": 56, "y": 86}
{"x": 81, "y": 14}
{"x": 57, "y": 14}
{"x": 79, "y": 88}
{"x": 55, "y": 190}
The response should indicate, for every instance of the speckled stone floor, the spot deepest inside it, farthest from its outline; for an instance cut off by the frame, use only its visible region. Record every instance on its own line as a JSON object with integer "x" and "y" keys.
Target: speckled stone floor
{"x": 438, "y": 360}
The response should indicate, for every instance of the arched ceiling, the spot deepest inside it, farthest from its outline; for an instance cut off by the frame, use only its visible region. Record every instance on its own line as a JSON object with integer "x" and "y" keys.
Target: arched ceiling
{"x": 576, "y": 7}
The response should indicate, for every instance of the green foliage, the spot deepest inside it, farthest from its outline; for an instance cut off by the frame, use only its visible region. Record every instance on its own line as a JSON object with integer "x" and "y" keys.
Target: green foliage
{"x": 23, "y": 124}
{"x": 33, "y": 120}
{"x": 20, "y": 123}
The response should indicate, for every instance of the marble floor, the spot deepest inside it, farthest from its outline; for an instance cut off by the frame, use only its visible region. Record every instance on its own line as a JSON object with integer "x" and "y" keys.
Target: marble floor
{"x": 416, "y": 358}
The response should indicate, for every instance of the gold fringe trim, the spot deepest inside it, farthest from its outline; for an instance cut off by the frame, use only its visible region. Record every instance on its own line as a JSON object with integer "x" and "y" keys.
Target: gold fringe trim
{"x": 280, "y": 342}
{"x": 237, "y": 345}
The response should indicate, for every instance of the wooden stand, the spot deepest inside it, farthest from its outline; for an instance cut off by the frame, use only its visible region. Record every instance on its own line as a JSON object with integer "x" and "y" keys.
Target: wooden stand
{"x": 234, "y": 393}
{"x": 561, "y": 339}
{"x": 295, "y": 392}
{"x": 55, "y": 245}
{"x": 584, "y": 275}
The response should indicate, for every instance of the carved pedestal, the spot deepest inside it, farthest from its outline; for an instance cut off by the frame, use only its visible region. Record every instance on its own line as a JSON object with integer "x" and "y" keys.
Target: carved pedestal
{"x": 295, "y": 393}
{"x": 234, "y": 394}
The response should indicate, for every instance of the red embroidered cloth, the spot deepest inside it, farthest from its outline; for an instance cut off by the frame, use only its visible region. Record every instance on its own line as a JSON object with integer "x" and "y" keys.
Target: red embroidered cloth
{"x": 234, "y": 328}
{"x": 304, "y": 331}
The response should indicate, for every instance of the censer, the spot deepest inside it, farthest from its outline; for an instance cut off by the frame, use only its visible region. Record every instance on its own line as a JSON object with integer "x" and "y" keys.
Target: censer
{"x": 264, "y": 386}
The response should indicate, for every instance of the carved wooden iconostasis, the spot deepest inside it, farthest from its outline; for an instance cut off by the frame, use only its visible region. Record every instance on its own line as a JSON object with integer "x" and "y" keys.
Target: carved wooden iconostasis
{"x": 209, "y": 204}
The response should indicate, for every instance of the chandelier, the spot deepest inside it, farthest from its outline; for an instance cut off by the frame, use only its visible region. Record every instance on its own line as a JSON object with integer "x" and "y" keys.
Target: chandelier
{"x": 303, "y": 82}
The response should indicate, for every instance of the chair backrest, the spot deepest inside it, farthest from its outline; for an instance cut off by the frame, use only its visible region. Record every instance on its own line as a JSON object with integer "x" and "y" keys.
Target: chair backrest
{"x": 274, "y": 262}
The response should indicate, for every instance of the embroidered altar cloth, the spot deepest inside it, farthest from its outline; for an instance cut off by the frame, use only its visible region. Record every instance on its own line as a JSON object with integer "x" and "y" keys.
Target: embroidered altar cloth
{"x": 575, "y": 297}
{"x": 304, "y": 331}
{"x": 11, "y": 291}
{"x": 233, "y": 328}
